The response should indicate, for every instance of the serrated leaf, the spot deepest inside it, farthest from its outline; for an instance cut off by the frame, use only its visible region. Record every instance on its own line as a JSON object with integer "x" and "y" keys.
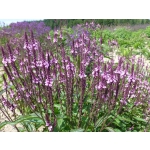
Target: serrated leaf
{"x": 100, "y": 121}
{"x": 77, "y": 130}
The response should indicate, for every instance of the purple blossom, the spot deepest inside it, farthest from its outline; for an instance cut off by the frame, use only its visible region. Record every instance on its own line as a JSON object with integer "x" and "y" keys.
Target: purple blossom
{"x": 123, "y": 101}
{"x": 55, "y": 40}
{"x": 100, "y": 86}
{"x": 9, "y": 105}
{"x": 48, "y": 37}
{"x": 49, "y": 82}
{"x": 82, "y": 75}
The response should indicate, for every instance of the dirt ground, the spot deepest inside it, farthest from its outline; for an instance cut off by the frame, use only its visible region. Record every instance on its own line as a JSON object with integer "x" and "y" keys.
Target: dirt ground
{"x": 7, "y": 128}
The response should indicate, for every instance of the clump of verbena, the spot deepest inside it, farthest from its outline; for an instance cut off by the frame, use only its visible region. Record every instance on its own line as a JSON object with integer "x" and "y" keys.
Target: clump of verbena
{"x": 71, "y": 89}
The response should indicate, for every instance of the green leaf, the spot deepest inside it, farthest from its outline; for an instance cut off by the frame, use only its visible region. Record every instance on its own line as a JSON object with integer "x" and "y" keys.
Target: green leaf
{"x": 57, "y": 105}
{"x": 117, "y": 130}
{"x": 77, "y": 130}
{"x": 59, "y": 122}
{"x": 21, "y": 129}
{"x": 30, "y": 126}
{"x": 140, "y": 119}
{"x": 3, "y": 124}
{"x": 110, "y": 129}
{"x": 125, "y": 119}
{"x": 20, "y": 120}
{"x": 100, "y": 121}
{"x": 117, "y": 120}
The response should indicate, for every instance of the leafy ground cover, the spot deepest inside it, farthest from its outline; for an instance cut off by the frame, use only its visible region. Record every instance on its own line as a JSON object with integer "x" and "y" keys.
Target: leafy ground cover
{"x": 67, "y": 80}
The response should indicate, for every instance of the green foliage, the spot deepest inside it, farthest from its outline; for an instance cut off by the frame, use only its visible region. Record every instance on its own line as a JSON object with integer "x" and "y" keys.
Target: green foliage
{"x": 126, "y": 52}
{"x": 130, "y": 42}
{"x": 77, "y": 130}
{"x": 147, "y": 31}
{"x": 110, "y": 129}
{"x": 104, "y": 22}
{"x": 122, "y": 33}
{"x": 29, "y": 121}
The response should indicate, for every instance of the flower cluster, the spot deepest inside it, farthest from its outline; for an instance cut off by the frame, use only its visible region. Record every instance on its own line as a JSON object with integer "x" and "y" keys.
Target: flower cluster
{"x": 20, "y": 27}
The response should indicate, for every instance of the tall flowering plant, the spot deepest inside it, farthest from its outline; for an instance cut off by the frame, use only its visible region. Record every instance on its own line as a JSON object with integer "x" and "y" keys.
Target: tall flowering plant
{"x": 70, "y": 89}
